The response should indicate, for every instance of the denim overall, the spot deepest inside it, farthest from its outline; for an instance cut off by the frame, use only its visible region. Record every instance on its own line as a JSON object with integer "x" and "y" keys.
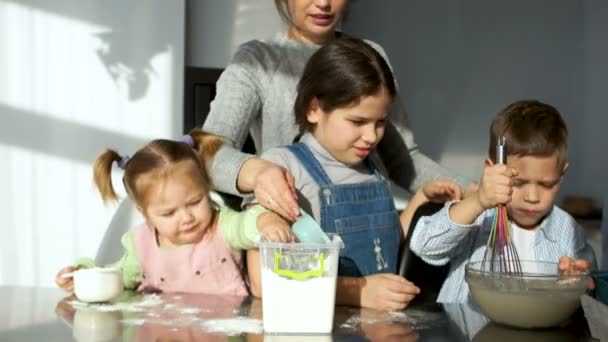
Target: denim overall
{"x": 363, "y": 214}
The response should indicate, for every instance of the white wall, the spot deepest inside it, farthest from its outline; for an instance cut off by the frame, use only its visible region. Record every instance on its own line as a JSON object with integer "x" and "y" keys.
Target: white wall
{"x": 459, "y": 62}
{"x": 216, "y": 28}
{"x": 77, "y": 76}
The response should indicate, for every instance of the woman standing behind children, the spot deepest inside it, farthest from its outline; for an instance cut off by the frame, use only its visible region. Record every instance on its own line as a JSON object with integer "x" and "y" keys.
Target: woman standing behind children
{"x": 341, "y": 108}
{"x": 256, "y": 94}
{"x": 169, "y": 183}
{"x": 536, "y": 145}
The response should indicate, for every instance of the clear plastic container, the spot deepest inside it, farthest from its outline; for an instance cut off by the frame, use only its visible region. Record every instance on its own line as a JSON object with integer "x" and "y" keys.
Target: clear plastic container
{"x": 299, "y": 286}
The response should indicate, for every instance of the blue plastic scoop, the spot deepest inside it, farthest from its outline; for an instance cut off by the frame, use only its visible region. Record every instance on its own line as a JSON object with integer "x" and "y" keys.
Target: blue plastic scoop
{"x": 307, "y": 230}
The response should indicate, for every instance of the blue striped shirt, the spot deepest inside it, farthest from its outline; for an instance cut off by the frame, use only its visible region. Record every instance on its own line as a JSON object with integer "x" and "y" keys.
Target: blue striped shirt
{"x": 438, "y": 240}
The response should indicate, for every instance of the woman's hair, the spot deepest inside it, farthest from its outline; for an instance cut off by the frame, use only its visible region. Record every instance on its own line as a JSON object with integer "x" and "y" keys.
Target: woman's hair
{"x": 158, "y": 158}
{"x": 530, "y": 128}
{"x": 338, "y": 75}
{"x": 283, "y": 9}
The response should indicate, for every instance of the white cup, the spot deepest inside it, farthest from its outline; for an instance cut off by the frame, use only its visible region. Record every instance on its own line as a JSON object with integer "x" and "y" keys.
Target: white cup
{"x": 92, "y": 325}
{"x": 98, "y": 284}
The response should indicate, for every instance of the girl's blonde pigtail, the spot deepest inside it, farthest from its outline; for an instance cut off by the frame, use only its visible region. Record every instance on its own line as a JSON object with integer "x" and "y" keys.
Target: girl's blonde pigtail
{"x": 102, "y": 174}
{"x": 206, "y": 145}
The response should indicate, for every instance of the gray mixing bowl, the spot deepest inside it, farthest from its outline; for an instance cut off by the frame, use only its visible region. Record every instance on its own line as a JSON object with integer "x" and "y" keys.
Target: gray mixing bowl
{"x": 537, "y": 298}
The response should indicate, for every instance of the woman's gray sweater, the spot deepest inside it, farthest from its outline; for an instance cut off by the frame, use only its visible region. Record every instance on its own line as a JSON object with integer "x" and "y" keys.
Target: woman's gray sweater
{"x": 256, "y": 93}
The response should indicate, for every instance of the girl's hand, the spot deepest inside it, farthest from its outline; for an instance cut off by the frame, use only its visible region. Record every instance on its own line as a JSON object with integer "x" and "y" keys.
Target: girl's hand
{"x": 274, "y": 228}
{"x": 274, "y": 189}
{"x": 384, "y": 291}
{"x": 66, "y": 284}
{"x": 472, "y": 189}
{"x": 441, "y": 191}
{"x": 495, "y": 186}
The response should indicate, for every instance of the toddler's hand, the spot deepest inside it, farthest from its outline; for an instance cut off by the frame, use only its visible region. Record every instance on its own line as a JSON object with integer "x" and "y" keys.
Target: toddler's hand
{"x": 274, "y": 228}
{"x": 441, "y": 191}
{"x": 66, "y": 284}
{"x": 495, "y": 185}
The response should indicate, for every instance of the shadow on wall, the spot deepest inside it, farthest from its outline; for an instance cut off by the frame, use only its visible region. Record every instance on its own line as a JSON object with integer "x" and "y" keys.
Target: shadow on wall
{"x": 125, "y": 57}
{"x": 122, "y": 65}
{"x": 57, "y": 137}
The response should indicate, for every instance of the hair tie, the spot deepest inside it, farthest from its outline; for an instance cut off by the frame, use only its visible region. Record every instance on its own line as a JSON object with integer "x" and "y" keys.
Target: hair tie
{"x": 187, "y": 139}
{"x": 122, "y": 163}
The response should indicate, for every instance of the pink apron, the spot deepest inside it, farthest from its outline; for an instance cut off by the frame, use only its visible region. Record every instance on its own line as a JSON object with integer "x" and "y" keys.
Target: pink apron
{"x": 209, "y": 266}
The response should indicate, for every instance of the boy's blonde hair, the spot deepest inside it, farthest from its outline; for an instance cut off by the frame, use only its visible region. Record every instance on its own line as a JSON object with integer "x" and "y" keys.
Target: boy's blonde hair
{"x": 530, "y": 128}
{"x": 158, "y": 158}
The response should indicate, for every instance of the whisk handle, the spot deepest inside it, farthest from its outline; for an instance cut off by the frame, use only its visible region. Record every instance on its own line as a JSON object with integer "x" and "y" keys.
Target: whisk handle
{"x": 501, "y": 151}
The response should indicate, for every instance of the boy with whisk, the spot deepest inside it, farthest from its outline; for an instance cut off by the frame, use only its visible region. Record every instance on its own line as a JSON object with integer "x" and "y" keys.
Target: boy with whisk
{"x": 535, "y": 138}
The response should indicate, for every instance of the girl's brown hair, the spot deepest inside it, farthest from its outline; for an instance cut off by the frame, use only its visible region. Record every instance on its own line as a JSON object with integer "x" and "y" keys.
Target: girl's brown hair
{"x": 157, "y": 157}
{"x": 530, "y": 128}
{"x": 339, "y": 74}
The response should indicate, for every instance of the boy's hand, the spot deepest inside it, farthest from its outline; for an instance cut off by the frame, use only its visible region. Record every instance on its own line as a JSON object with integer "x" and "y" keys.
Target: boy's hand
{"x": 568, "y": 266}
{"x": 66, "y": 284}
{"x": 495, "y": 186}
{"x": 274, "y": 228}
{"x": 441, "y": 191}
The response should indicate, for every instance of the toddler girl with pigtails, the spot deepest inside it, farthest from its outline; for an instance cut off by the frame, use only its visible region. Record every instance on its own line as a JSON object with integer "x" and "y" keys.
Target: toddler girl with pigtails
{"x": 187, "y": 242}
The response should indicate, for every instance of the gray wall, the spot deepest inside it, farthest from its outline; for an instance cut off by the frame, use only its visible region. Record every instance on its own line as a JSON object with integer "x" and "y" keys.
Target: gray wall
{"x": 214, "y": 29}
{"x": 459, "y": 62}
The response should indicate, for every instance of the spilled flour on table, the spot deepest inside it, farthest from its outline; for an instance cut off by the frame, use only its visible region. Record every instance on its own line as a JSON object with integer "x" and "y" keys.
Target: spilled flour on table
{"x": 416, "y": 318}
{"x": 146, "y": 301}
{"x": 234, "y": 326}
{"x": 151, "y": 309}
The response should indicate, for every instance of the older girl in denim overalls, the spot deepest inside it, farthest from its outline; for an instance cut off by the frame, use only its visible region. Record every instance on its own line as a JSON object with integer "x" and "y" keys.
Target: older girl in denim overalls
{"x": 341, "y": 105}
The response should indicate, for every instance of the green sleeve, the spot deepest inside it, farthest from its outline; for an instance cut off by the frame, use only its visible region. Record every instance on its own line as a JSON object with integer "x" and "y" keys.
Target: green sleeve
{"x": 131, "y": 270}
{"x": 240, "y": 228}
{"x": 129, "y": 263}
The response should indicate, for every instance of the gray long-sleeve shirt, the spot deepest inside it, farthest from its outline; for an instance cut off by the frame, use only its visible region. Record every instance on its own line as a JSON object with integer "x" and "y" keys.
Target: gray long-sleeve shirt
{"x": 256, "y": 93}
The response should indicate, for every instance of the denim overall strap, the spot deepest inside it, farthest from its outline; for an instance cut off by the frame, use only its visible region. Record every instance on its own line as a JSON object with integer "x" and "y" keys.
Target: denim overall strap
{"x": 372, "y": 166}
{"x": 364, "y": 216}
{"x": 310, "y": 163}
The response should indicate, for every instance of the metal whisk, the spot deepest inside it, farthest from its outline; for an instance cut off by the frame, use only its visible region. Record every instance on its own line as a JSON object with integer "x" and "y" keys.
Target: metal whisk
{"x": 500, "y": 252}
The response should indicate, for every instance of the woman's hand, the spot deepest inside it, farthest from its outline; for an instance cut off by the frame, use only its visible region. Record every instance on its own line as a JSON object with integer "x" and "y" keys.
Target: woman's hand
{"x": 66, "y": 284}
{"x": 274, "y": 189}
